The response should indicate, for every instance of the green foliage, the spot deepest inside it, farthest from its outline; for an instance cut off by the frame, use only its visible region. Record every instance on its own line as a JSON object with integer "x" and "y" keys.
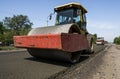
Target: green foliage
{"x": 11, "y": 26}
{"x": 117, "y": 40}
{"x": 8, "y": 48}
{"x": 95, "y": 38}
{"x": 1, "y": 28}
{"x": 1, "y": 31}
{"x": 18, "y": 24}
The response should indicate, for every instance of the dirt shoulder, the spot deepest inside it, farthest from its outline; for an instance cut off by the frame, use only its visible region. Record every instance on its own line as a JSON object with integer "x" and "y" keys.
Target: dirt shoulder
{"x": 110, "y": 66}
{"x": 14, "y": 50}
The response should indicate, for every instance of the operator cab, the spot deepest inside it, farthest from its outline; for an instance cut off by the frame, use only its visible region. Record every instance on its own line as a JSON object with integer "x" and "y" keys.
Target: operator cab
{"x": 71, "y": 13}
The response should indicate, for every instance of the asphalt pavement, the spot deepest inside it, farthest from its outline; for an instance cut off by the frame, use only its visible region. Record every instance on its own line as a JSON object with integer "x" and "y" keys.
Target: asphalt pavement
{"x": 21, "y": 65}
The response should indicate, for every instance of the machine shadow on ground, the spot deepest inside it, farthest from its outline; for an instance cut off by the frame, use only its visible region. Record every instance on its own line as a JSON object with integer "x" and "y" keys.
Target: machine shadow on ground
{"x": 56, "y": 62}
{"x": 83, "y": 57}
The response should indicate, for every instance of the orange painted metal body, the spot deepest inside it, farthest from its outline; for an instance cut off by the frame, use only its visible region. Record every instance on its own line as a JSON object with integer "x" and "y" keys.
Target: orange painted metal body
{"x": 63, "y": 41}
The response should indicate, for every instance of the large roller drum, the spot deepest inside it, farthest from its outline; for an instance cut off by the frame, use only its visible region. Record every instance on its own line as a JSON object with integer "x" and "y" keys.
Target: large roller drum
{"x": 67, "y": 28}
{"x": 55, "y": 54}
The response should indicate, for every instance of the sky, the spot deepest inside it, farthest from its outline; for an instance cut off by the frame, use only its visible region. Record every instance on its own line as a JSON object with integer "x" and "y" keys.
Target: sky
{"x": 103, "y": 17}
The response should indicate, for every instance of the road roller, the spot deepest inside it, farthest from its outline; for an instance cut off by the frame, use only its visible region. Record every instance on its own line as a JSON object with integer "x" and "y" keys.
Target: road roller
{"x": 65, "y": 41}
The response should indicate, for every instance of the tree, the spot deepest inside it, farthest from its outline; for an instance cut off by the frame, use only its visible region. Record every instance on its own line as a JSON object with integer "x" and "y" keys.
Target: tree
{"x": 1, "y": 28}
{"x": 117, "y": 40}
{"x": 18, "y": 24}
{"x": 95, "y": 38}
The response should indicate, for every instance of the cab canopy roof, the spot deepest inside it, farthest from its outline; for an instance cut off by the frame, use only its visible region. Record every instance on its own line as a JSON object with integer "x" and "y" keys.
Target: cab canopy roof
{"x": 70, "y": 5}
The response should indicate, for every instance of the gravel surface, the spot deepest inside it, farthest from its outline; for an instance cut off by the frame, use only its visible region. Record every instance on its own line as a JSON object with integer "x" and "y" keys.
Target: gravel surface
{"x": 110, "y": 66}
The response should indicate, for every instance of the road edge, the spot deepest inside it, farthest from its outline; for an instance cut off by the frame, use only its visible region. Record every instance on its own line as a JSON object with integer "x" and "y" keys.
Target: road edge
{"x": 79, "y": 69}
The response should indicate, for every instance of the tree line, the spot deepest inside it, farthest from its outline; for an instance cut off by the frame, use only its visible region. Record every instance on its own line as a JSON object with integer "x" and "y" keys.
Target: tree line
{"x": 12, "y": 26}
{"x": 117, "y": 40}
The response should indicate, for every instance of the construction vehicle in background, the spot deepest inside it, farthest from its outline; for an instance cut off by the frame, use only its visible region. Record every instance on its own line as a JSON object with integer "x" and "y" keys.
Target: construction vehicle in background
{"x": 100, "y": 41}
{"x": 65, "y": 41}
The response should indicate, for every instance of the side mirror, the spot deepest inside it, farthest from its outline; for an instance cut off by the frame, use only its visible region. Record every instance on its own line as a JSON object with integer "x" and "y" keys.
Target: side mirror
{"x": 50, "y": 17}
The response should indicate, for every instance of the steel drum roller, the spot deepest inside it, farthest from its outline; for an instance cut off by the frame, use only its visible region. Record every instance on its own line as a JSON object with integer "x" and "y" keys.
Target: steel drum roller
{"x": 55, "y": 54}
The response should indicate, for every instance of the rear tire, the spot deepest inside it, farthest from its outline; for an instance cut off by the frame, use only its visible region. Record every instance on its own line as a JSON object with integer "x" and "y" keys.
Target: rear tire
{"x": 75, "y": 57}
{"x": 90, "y": 43}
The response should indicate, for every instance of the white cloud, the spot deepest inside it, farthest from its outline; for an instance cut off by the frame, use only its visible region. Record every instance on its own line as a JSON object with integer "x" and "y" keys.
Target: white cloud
{"x": 102, "y": 25}
{"x": 108, "y": 30}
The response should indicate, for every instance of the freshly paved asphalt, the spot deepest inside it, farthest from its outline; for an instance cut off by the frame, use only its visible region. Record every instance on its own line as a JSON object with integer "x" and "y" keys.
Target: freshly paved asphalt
{"x": 21, "y": 65}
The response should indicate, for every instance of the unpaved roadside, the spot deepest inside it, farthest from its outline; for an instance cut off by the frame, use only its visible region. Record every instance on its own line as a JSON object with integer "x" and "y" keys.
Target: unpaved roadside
{"x": 12, "y": 51}
{"x": 110, "y": 67}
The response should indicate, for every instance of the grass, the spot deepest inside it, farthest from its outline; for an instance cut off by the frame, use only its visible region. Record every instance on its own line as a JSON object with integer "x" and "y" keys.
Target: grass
{"x": 8, "y": 48}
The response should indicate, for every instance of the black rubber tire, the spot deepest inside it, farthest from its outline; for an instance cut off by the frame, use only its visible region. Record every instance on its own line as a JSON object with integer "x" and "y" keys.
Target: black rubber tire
{"x": 75, "y": 57}
{"x": 90, "y": 43}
